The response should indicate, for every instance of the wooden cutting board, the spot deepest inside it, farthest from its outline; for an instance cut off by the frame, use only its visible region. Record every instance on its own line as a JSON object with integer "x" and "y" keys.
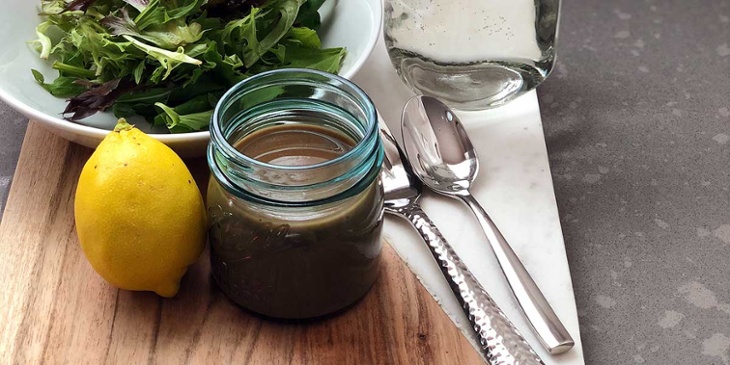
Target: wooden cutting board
{"x": 55, "y": 309}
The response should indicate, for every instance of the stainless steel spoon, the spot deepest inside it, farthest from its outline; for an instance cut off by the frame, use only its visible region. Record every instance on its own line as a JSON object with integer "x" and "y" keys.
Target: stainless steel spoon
{"x": 443, "y": 157}
{"x": 499, "y": 340}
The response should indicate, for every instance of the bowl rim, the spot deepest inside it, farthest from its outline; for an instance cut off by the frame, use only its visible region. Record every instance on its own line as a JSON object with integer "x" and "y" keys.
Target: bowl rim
{"x": 94, "y": 132}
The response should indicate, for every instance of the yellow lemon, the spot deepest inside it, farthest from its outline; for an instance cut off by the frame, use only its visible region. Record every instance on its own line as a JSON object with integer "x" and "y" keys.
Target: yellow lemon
{"x": 139, "y": 215}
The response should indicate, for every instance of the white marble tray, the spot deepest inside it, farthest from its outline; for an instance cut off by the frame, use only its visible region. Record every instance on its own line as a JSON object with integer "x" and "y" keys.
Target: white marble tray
{"x": 514, "y": 186}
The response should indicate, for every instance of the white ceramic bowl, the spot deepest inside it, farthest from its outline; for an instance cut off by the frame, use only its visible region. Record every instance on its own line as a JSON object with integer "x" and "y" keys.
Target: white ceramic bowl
{"x": 354, "y": 24}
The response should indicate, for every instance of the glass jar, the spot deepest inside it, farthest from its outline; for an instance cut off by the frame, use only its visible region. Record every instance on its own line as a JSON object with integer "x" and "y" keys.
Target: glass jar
{"x": 472, "y": 54}
{"x": 294, "y": 240}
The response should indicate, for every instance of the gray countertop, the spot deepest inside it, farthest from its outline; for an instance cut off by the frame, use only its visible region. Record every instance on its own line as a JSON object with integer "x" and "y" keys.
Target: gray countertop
{"x": 637, "y": 121}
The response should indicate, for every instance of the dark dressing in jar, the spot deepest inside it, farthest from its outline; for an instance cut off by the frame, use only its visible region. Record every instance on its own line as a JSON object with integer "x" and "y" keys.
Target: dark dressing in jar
{"x": 296, "y": 206}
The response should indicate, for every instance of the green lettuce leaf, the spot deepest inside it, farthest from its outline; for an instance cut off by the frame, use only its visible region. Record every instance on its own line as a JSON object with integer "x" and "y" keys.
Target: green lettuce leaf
{"x": 168, "y": 60}
{"x": 170, "y": 35}
{"x": 309, "y": 14}
{"x": 181, "y": 123}
{"x": 43, "y": 43}
{"x": 306, "y": 36}
{"x": 62, "y": 87}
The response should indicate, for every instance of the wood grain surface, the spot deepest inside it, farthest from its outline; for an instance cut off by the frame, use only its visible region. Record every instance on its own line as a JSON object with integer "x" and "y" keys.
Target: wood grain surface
{"x": 55, "y": 309}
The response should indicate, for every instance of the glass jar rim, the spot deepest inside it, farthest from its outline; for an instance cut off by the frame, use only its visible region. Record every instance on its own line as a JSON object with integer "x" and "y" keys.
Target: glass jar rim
{"x": 251, "y": 82}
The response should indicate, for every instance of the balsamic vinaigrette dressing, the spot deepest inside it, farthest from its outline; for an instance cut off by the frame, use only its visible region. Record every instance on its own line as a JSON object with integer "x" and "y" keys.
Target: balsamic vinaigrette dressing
{"x": 307, "y": 264}
{"x": 295, "y": 145}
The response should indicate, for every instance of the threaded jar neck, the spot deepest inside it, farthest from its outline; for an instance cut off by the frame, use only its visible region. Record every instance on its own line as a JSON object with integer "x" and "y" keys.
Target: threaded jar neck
{"x": 295, "y": 97}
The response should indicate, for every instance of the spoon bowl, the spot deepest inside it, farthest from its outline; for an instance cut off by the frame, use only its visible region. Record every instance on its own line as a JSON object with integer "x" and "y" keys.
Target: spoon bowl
{"x": 443, "y": 157}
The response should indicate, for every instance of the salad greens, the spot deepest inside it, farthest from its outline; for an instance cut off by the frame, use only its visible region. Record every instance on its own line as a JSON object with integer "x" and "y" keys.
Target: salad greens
{"x": 171, "y": 60}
